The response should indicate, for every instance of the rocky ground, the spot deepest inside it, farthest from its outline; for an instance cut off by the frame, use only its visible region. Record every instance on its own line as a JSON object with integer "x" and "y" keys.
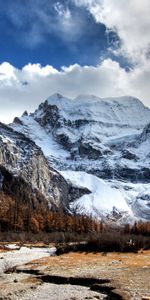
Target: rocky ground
{"x": 74, "y": 276}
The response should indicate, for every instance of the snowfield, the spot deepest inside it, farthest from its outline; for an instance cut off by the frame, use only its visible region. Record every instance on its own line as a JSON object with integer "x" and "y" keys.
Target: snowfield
{"x": 102, "y": 200}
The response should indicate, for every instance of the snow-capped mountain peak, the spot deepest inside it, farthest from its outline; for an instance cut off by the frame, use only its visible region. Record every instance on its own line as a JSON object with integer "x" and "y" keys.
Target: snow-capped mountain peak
{"x": 106, "y": 137}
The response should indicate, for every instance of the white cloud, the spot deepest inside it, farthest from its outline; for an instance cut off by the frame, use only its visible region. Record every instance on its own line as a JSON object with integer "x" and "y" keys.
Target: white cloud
{"x": 130, "y": 19}
{"x": 37, "y": 70}
{"x": 7, "y": 72}
{"x": 27, "y": 88}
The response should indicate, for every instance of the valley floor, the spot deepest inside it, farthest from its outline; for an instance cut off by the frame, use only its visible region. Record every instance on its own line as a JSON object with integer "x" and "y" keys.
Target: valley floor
{"x": 74, "y": 276}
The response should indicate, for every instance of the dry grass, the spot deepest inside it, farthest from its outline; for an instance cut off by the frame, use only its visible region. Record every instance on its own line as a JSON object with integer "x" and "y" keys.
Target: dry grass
{"x": 133, "y": 260}
{"x": 128, "y": 272}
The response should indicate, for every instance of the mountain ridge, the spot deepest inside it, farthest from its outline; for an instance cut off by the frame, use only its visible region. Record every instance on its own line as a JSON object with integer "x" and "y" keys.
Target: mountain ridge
{"x": 108, "y": 138}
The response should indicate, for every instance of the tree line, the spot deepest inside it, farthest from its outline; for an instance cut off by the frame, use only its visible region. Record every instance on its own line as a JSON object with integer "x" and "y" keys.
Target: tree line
{"x": 35, "y": 217}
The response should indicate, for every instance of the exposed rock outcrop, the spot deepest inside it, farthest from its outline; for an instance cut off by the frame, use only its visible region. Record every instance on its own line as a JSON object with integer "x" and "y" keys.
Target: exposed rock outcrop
{"x": 21, "y": 157}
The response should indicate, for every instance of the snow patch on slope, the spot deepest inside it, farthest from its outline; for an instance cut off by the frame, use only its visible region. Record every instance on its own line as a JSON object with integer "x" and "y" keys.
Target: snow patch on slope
{"x": 44, "y": 140}
{"x": 102, "y": 201}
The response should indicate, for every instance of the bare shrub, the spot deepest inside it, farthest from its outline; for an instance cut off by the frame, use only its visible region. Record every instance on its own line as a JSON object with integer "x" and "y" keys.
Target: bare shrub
{"x": 7, "y": 267}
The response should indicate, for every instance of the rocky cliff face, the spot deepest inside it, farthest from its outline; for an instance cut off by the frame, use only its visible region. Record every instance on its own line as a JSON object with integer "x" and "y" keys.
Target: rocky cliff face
{"x": 108, "y": 138}
{"x": 22, "y": 158}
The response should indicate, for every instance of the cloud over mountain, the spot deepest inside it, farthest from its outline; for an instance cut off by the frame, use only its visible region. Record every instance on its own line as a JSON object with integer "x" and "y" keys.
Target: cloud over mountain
{"x": 107, "y": 43}
{"x": 25, "y": 88}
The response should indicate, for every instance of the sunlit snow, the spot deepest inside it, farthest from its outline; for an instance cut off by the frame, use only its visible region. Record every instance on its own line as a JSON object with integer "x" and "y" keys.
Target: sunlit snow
{"x": 102, "y": 200}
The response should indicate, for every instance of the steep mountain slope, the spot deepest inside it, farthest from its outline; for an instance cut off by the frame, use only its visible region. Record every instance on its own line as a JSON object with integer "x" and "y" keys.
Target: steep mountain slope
{"x": 108, "y": 138}
{"x": 21, "y": 158}
{"x": 103, "y": 201}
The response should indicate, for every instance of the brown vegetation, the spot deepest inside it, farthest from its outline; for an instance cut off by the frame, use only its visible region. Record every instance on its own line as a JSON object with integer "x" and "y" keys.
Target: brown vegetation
{"x": 128, "y": 272}
{"x": 21, "y": 216}
{"x": 40, "y": 223}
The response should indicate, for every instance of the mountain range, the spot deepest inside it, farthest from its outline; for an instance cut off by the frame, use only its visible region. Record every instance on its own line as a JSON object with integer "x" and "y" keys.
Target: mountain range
{"x": 88, "y": 155}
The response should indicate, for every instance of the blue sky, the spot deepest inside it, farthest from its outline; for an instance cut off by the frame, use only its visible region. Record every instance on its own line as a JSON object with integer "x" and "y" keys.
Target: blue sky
{"x": 72, "y": 47}
{"x": 33, "y": 32}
